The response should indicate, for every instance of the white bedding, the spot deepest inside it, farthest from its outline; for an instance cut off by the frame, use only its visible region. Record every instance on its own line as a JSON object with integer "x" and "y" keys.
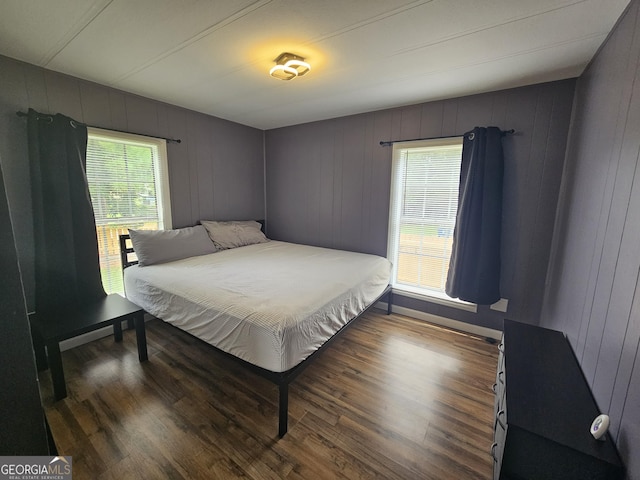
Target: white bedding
{"x": 271, "y": 304}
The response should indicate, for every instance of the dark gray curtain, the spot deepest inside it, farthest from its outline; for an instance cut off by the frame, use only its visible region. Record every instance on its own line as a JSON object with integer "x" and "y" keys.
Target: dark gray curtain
{"x": 67, "y": 266}
{"x": 474, "y": 270}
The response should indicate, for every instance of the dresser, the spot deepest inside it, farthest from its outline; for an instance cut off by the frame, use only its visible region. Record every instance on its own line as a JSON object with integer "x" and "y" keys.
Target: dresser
{"x": 544, "y": 410}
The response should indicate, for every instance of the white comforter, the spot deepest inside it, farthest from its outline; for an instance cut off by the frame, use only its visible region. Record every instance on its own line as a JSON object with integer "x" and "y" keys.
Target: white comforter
{"x": 271, "y": 304}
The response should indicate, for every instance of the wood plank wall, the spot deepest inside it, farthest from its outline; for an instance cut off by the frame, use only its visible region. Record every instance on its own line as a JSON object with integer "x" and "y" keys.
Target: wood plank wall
{"x": 593, "y": 292}
{"x": 217, "y": 172}
{"x": 328, "y": 182}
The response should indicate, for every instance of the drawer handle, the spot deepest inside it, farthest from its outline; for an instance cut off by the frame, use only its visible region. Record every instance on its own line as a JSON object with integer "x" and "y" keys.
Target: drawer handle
{"x": 494, "y": 387}
{"x": 501, "y": 347}
{"x": 493, "y": 452}
{"x": 500, "y": 373}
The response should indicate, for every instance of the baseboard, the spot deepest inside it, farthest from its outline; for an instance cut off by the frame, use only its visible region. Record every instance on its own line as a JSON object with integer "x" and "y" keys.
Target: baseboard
{"x": 91, "y": 336}
{"x": 427, "y": 317}
{"x": 85, "y": 338}
{"x": 444, "y": 322}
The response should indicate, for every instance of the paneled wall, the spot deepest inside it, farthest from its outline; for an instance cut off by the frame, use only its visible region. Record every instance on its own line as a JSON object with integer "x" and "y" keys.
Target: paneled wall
{"x": 216, "y": 172}
{"x": 328, "y": 182}
{"x": 593, "y": 292}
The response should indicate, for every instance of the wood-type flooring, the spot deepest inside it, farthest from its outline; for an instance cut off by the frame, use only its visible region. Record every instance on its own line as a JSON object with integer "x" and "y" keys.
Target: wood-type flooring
{"x": 392, "y": 398}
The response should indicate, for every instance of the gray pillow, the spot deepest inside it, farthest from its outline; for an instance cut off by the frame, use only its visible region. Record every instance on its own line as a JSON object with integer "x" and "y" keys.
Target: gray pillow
{"x": 160, "y": 246}
{"x": 234, "y": 234}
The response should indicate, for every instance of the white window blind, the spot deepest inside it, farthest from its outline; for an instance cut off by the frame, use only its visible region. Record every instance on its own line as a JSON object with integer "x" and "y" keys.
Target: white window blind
{"x": 424, "y": 203}
{"x": 127, "y": 176}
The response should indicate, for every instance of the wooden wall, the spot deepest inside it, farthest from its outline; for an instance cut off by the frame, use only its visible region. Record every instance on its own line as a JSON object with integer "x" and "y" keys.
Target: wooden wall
{"x": 593, "y": 292}
{"x": 328, "y": 182}
{"x": 217, "y": 172}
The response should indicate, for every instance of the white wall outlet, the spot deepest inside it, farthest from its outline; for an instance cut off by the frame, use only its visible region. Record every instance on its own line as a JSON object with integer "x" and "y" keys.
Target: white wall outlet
{"x": 500, "y": 305}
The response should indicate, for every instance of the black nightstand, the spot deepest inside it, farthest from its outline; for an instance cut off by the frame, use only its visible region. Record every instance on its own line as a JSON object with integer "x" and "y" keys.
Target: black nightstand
{"x": 543, "y": 412}
{"x": 51, "y": 330}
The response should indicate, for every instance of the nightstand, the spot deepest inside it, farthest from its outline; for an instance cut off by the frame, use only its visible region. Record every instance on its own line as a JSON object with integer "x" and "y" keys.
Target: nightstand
{"x": 50, "y": 329}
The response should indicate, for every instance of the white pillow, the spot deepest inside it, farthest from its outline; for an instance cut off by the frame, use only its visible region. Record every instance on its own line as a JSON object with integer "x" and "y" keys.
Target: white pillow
{"x": 160, "y": 246}
{"x": 234, "y": 234}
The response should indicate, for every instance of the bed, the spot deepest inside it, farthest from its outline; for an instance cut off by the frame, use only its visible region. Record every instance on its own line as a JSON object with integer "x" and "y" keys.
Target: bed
{"x": 270, "y": 305}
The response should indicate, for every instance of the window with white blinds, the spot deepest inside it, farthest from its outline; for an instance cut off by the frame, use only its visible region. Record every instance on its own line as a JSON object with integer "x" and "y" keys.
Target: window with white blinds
{"x": 128, "y": 183}
{"x": 424, "y": 203}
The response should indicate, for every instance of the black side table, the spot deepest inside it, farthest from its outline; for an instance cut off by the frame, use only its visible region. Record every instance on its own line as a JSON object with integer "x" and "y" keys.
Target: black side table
{"x": 50, "y": 331}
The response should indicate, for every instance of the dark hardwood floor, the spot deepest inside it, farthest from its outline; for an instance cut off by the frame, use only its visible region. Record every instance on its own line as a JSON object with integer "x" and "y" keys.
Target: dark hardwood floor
{"x": 393, "y": 398}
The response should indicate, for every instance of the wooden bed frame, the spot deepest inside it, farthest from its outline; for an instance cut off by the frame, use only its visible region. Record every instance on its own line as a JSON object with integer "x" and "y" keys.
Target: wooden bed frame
{"x": 281, "y": 379}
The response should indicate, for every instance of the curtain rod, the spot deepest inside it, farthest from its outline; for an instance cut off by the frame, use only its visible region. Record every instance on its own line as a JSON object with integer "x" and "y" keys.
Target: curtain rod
{"x": 391, "y": 142}
{"x": 50, "y": 117}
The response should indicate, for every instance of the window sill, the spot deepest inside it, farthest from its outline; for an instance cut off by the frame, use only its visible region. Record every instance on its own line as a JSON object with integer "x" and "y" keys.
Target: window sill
{"x": 444, "y": 300}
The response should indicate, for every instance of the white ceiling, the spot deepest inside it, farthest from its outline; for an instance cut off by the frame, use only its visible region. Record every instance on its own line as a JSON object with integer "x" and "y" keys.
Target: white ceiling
{"x": 213, "y": 56}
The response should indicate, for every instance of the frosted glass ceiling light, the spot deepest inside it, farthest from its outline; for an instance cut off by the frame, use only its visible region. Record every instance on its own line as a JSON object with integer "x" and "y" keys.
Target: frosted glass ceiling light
{"x": 289, "y": 66}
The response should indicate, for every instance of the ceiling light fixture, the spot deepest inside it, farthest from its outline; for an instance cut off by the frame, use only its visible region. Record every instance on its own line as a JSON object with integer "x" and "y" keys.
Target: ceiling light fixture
{"x": 289, "y": 66}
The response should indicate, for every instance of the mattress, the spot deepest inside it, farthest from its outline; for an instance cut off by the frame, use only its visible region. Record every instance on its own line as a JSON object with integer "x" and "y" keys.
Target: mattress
{"x": 272, "y": 304}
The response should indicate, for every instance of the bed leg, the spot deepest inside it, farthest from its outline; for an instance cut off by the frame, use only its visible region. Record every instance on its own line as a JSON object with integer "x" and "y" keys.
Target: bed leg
{"x": 283, "y": 409}
{"x": 389, "y": 302}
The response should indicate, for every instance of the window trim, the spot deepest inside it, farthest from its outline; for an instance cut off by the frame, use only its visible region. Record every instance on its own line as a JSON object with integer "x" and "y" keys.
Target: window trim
{"x": 108, "y": 251}
{"x": 393, "y": 227}
{"x": 161, "y": 166}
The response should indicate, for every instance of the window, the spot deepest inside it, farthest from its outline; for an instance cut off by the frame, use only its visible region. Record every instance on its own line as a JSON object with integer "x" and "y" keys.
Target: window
{"x": 128, "y": 183}
{"x": 424, "y": 203}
